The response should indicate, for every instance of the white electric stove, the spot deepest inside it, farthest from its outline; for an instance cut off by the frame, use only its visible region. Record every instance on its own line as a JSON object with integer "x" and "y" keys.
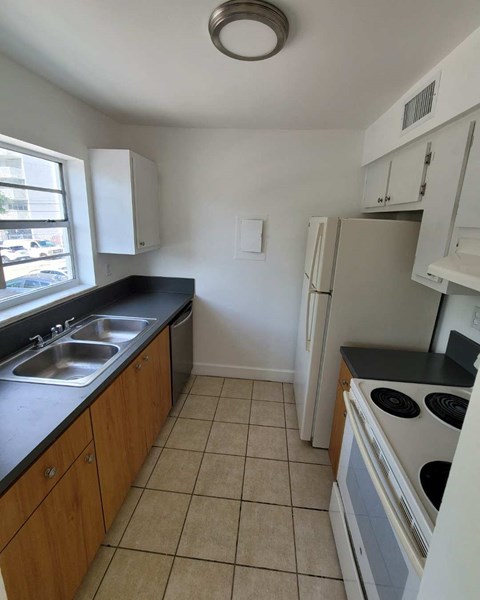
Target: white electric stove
{"x": 416, "y": 424}
{"x": 400, "y": 440}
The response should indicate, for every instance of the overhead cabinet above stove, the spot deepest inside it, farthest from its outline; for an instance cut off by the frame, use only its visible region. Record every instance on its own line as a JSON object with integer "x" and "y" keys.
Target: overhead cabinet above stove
{"x": 438, "y": 177}
{"x": 126, "y": 201}
{"x": 441, "y": 202}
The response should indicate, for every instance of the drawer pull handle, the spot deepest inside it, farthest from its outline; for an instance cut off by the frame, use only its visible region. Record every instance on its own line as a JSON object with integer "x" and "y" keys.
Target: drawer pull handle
{"x": 50, "y": 472}
{"x": 138, "y": 366}
{"x": 89, "y": 458}
{"x": 146, "y": 357}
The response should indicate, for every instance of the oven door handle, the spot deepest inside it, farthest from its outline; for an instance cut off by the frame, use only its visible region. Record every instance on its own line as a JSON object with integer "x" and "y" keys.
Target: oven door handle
{"x": 404, "y": 536}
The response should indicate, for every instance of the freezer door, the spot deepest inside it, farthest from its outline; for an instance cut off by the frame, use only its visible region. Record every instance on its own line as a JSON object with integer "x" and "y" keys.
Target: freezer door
{"x": 320, "y": 254}
{"x": 313, "y": 320}
{"x": 375, "y": 303}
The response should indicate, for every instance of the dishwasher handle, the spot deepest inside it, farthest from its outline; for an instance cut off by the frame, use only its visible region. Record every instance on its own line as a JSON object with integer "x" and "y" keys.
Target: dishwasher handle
{"x": 183, "y": 319}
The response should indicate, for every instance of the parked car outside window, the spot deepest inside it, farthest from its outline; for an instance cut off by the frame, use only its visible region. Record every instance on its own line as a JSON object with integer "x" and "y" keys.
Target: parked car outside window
{"x": 41, "y": 248}
{"x": 60, "y": 273}
{"x": 13, "y": 253}
{"x": 35, "y": 281}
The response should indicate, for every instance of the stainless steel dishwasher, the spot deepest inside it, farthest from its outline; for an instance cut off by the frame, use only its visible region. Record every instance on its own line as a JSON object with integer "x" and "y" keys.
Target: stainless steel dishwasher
{"x": 181, "y": 339}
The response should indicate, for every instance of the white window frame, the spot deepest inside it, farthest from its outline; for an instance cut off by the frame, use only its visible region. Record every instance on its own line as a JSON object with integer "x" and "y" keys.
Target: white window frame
{"x": 41, "y": 224}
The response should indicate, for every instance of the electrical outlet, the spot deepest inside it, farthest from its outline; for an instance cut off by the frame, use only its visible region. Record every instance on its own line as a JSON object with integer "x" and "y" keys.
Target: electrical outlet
{"x": 476, "y": 318}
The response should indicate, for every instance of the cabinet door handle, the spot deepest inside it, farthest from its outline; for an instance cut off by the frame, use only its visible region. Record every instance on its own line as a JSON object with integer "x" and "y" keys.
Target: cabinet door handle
{"x": 387, "y": 199}
{"x": 146, "y": 357}
{"x": 344, "y": 382}
{"x": 380, "y": 200}
{"x": 50, "y": 472}
{"x": 142, "y": 243}
{"x": 138, "y": 366}
{"x": 89, "y": 458}
{"x": 345, "y": 413}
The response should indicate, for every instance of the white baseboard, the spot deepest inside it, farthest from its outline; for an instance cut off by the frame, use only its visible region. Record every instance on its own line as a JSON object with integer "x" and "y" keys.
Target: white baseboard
{"x": 243, "y": 372}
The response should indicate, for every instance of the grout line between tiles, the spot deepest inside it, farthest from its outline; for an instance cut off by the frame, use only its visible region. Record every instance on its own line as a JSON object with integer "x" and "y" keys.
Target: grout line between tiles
{"x": 106, "y": 570}
{"x": 223, "y": 562}
{"x": 118, "y": 545}
{"x": 191, "y": 498}
{"x": 165, "y": 491}
{"x": 241, "y": 496}
{"x": 291, "y": 497}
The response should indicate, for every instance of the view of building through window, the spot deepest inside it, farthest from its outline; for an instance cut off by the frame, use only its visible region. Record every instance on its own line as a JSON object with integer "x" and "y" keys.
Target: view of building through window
{"x": 34, "y": 228}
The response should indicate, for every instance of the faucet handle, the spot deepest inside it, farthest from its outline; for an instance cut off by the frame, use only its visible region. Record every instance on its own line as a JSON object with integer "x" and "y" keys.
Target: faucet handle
{"x": 67, "y": 323}
{"x": 38, "y": 341}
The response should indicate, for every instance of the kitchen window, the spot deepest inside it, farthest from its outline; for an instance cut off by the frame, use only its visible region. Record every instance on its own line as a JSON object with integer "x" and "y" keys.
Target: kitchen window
{"x": 35, "y": 231}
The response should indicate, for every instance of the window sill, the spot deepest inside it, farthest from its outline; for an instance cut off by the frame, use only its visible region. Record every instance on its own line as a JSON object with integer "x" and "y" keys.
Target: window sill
{"x": 14, "y": 313}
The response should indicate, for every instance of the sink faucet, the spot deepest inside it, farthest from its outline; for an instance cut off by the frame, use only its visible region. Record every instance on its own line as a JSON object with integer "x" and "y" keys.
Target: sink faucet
{"x": 38, "y": 341}
{"x": 56, "y": 330}
{"x": 67, "y": 324}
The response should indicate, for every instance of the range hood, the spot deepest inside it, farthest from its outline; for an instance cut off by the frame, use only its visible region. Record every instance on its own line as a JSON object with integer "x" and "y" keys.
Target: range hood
{"x": 462, "y": 267}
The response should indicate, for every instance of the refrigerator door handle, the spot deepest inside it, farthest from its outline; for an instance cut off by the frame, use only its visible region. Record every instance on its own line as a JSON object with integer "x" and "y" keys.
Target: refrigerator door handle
{"x": 315, "y": 254}
{"x": 307, "y": 323}
{"x": 308, "y": 336}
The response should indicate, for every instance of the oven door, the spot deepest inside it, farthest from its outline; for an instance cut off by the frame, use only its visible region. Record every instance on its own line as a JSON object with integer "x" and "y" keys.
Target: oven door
{"x": 388, "y": 569}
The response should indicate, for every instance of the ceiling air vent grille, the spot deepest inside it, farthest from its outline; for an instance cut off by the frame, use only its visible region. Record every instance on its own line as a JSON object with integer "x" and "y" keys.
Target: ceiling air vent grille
{"x": 420, "y": 106}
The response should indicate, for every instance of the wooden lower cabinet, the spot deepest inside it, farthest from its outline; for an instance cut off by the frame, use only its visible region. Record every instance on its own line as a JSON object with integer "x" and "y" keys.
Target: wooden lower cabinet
{"x": 119, "y": 447}
{"x": 156, "y": 386}
{"x": 127, "y": 419}
{"x": 339, "y": 417}
{"x": 50, "y": 555}
{"x": 57, "y": 522}
{"x": 22, "y": 498}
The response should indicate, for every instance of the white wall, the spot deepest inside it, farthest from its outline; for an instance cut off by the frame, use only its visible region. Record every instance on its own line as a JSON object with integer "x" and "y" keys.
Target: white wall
{"x": 459, "y": 92}
{"x": 37, "y": 112}
{"x": 246, "y": 311}
{"x": 456, "y": 313}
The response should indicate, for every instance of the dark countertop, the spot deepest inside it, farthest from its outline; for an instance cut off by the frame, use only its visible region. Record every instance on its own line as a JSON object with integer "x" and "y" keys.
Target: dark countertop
{"x": 405, "y": 365}
{"x": 33, "y": 415}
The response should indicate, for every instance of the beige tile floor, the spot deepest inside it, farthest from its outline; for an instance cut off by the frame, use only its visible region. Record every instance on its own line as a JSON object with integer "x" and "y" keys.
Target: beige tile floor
{"x": 229, "y": 505}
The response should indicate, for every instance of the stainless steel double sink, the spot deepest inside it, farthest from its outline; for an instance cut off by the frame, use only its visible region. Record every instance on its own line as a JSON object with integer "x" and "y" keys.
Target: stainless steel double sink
{"x": 79, "y": 355}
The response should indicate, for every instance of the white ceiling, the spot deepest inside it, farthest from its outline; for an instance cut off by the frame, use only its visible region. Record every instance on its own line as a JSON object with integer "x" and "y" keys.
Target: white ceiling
{"x": 152, "y": 61}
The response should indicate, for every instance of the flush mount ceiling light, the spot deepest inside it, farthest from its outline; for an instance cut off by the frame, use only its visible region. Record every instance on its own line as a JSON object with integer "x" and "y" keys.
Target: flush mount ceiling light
{"x": 248, "y": 30}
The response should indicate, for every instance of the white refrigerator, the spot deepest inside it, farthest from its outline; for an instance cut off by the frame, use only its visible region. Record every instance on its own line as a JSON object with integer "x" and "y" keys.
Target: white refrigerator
{"x": 357, "y": 291}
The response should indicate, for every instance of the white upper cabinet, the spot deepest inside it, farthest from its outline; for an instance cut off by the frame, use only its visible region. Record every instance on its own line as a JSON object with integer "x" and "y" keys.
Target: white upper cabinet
{"x": 376, "y": 182}
{"x": 468, "y": 215}
{"x": 441, "y": 199}
{"x": 397, "y": 179}
{"x": 407, "y": 174}
{"x": 126, "y": 201}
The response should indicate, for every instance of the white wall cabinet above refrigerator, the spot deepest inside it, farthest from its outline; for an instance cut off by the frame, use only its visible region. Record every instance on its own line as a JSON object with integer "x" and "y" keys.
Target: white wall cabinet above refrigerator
{"x": 376, "y": 183}
{"x": 398, "y": 179}
{"x": 126, "y": 201}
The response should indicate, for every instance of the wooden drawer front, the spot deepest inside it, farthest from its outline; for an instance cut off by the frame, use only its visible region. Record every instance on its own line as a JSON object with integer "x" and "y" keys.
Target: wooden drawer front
{"x": 50, "y": 555}
{"x": 23, "y": 497}
{"x": 344, "y": 376}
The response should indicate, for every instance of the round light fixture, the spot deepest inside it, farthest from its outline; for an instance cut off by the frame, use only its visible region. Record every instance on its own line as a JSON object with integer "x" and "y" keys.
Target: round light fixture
{"x": 248, "y": 30}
